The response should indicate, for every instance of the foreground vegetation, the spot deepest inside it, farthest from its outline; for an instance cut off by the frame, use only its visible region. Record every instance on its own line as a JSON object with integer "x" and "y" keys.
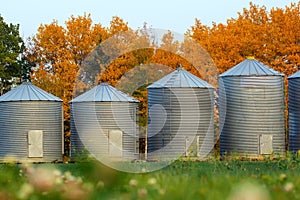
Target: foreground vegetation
{"x": 228, "y": 179}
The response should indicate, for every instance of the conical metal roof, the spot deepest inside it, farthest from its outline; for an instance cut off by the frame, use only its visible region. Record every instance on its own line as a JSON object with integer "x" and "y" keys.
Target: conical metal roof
{"x": 28, "y": 92}
{"x": 251, "y": 67}
{"x": 295, "y": 75}
{"x": 180, "y": 78}
{"x": 104, "y": 93}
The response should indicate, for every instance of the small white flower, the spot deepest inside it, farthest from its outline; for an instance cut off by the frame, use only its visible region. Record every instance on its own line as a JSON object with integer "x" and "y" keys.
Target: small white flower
{"x": 282, "y": 177}
{"x": 56, "y": 173}
{"x": 133, "y": 183}
{"x": 152, "y": 181}
{"x": 288, "y": 187}
{"x": 100, "y": 185}
{"x": 142, "y": 192}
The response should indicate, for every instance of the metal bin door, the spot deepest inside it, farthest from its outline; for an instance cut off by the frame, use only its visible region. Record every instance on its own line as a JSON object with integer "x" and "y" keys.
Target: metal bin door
{"x": 35, "y": 144}
{"x": 265, "y": 144}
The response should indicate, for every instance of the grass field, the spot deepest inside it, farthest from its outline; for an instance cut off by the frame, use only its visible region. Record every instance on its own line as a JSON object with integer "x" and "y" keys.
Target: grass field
{"x": 234, "y": 179}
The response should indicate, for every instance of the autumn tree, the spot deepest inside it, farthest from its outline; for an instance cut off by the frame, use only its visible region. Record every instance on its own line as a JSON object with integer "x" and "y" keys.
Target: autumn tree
{"x": 167, "y": 52}
{"x": 283, "y": 39}
{"x": 272, "y": 37}
{"x": 188, "y": 53}
{"x": 126, "y": 49}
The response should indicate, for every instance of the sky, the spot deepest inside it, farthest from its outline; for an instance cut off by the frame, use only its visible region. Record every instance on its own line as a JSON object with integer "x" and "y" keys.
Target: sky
{"x": 175, "y": 15}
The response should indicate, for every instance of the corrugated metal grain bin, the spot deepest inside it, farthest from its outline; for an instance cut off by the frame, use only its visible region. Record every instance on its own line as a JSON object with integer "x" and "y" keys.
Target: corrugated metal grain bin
{"x": 31, "y": 125}
{"x": 251, "y": 109}
{"x": 104, "y": 122}
{"x": 294, "y": 112}
{"x": 180, "y": 117}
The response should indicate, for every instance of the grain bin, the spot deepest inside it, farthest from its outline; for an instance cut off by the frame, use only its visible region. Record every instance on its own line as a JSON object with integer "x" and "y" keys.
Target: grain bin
{"x": 104, "y": 123}
{"x": 180, "y": 117}
{"x": 31, "y": 125}
{"x": 251, "y": 109}
{"x": 294, "y": 112}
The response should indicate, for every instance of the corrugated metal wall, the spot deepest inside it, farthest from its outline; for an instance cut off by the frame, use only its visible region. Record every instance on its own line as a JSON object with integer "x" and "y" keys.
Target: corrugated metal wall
{"x": 19, "y": 117}
{"x": 188, "y": 118}
{"x": 294, "y": 114}
{"x": 251, "y": 106}
{"x": 91, "y": 122}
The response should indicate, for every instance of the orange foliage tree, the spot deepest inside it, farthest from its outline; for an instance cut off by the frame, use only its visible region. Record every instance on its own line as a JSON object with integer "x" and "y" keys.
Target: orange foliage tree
{"x": 272, "y": 37}
{"x": 125, "y": 48}
{"x": 168, "y": 53}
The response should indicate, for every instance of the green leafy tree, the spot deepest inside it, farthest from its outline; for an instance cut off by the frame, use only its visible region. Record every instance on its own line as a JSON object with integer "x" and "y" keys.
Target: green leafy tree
{"x": 11, "y": 48}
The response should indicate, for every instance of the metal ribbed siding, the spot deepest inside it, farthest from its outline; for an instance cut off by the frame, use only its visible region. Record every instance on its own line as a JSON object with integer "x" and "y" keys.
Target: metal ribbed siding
{"x": 91, "y": 121}
{"x": 294, "y": 113}
{"x": 251, "y": 106}
{"x": 18, "y": 117}
{"x": 180, "y": 106}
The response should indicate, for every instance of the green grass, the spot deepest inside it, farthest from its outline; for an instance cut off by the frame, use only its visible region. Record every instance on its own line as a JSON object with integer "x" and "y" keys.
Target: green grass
{"x": 278, "y": 179}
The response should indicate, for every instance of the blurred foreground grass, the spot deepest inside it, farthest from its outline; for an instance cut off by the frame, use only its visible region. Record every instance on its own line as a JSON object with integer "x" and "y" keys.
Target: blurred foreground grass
{"x": 234, "y": 179}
